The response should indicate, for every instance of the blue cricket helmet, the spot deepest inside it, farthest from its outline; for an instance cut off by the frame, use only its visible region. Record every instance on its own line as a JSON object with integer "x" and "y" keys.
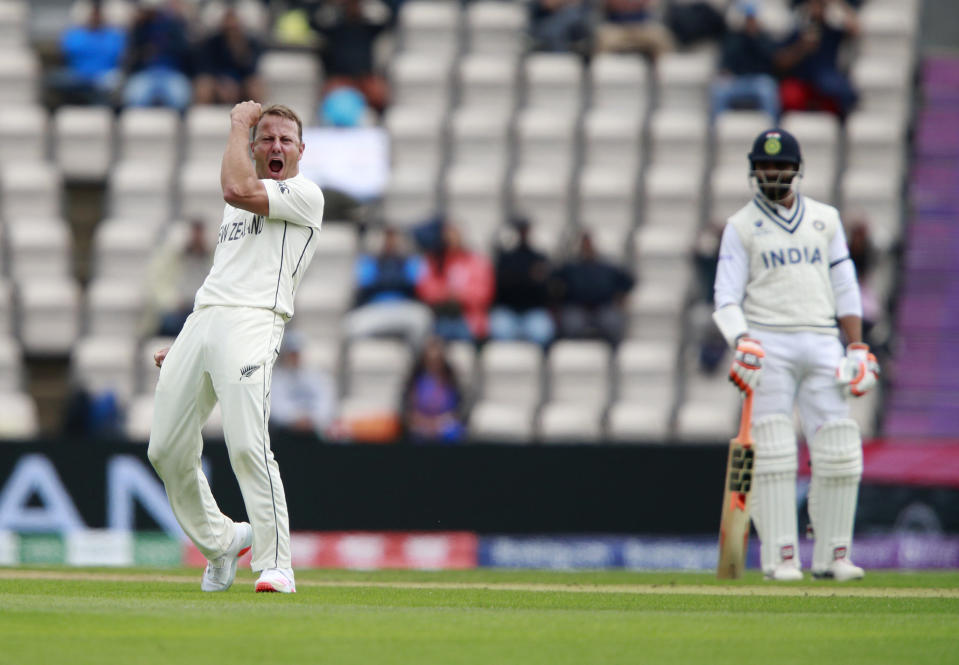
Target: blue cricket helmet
{"x": 776, "y": 145}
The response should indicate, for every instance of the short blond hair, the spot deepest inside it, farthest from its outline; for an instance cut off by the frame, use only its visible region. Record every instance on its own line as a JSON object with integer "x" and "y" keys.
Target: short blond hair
{"x": 283, "y": 112}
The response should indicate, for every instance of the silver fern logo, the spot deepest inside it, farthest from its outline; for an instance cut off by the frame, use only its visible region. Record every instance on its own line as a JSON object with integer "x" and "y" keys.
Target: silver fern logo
{"x": 247, "y": 371}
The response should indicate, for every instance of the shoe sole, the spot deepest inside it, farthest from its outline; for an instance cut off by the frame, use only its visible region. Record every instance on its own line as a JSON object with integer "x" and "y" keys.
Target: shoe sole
{"x": 266, "y": 587}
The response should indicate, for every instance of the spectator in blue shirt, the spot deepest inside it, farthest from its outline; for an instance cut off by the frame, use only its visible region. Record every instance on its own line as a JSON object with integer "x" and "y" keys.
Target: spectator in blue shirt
{"x": 386, "y": 303}
{"x": 746, "y": 68}
{"x": 92, "y": 56}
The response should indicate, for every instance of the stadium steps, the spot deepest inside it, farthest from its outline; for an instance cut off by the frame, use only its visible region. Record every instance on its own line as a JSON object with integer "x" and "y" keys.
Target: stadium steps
{"x": 924, "y": 388}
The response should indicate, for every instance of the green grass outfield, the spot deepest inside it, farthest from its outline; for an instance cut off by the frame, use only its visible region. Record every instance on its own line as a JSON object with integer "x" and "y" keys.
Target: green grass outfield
{"x": 54, "y": 616}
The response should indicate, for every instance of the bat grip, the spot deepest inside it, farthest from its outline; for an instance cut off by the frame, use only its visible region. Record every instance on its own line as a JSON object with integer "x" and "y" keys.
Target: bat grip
{"x": 746, "y": 419}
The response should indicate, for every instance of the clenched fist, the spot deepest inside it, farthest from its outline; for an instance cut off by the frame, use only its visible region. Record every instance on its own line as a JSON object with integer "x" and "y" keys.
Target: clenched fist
{"x": 246, "y": 114}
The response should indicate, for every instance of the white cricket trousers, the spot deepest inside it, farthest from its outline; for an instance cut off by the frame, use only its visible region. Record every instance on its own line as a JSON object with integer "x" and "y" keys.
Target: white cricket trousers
{"x": 223, "y": 354}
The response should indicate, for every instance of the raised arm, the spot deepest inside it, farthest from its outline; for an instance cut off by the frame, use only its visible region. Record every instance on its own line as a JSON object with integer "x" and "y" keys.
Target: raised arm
{"x": 238, "y": 179}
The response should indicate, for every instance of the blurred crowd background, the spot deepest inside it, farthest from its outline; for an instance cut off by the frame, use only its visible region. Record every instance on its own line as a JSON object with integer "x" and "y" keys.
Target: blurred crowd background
{"x": 524, "y": 202}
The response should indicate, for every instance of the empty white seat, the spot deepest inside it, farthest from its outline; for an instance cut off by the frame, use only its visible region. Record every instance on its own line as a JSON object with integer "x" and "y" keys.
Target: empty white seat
{"x": 419, "y": 80}
{"x": 884, "y": 85}
{"x": 579, "y": 372}
{"x": 554, "y": 81}
{"x": 206, "y": 128}
{"x": 18, "y": 416}
{"x": 151, "y": 136}
{"x": 545, "y": 139}
{"x": 620, "y": 83}
{"x": 475, "y": 201}
{"x": 20, "y": 73}
{"x": 729, "y": 190}
{"x": 633, "y": 422}
{"x": 677, "y": 137}
{"x": 39, "y": 248}
{"x": 11, "y": 364}
{"x": 489, "y": 81}
{"x": 660, "y": 255}
{"x": 684, "y": 79}
{"x": 734, "y": 133}
{"x": 30, "y": 190}
{"x": 607, "y": 201}
{"x": 410, "y": 196}
{"x": 114, "y": 306}
{"x": 818, "y": 135}
{"x": 646, "y": 370}
{"x": 673, "y": 199}
{"x": 321, "y": 355}
{"x": 613, "y": 138}
{"x": 320, "y": 306}
{"x": 121, "y": 248}
{"x": 710, "y": 410}
{"x": 106, "y": 363}
{"x": 569, "y": 423}
{"x": 23, "y": 133}
{"x": 480, "y": 137}
{"x": 655, "y": 313}
{"x": 139, "y": 190}
{"x": 888, "y": 31}
{"x": 291, "y": 78}
{"x": 500, "y": 422}
{"x": 462, "y": 358}
{"x": 49, "y": 315}
{"x": 201, "y": 195}
{"x": 874, "y": 140}
{"x": 84, "y": 141}
{"x": 511, "y": 373}
{"x": 14, "y": 23}
{"x": 430, "y": 28}
{"x": 376, "y": 370}
{"x": 876, "y": 196}
{"x": 416, "y": 136}
{"x": 496, "y": 27}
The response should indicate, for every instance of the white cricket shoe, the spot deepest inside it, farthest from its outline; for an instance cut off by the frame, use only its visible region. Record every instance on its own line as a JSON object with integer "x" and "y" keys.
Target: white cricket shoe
{"x": 841, "y": 570}
{"x": 279, "y": 580}
{"x": 220, "y": 572}
{"x": 785, "y": 572}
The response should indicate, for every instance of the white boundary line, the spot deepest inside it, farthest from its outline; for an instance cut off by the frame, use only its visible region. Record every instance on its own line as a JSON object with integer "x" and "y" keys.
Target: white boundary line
{"x": 827, "y": 590}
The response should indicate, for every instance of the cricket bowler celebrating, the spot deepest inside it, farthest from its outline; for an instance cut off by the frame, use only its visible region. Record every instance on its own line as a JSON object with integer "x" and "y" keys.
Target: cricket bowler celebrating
{"x": 785, "y": 292}
{"x": 228, "y": 345}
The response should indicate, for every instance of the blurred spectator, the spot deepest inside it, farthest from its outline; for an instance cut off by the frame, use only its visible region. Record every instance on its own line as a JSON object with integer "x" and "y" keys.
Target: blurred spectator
{"x": 632, "y": 26}
{"x": 343, "y": 107}
{"x": 863, "y": 255}
{"x": 176, "y": 271}
{"x": 432, "y": 398}
{"x": 696, "y": 21}
{"x": 158, "y": 62}
{"x": 349, "y": 29}
{"x": 302, "y": 400}
{"x": 92, "y": 55}
{"x": 226, "y": 64}
{"x": 592, "y": 294}
{"x": 712, "y": 345}
{"x": 559, "y": 26}
{"x": 746, "y": 69}
{"x": 386, "y": 294}
{"x": 522, "y": 292}
{"x": 458, "y": 284}
{"x": 809, "y": 59}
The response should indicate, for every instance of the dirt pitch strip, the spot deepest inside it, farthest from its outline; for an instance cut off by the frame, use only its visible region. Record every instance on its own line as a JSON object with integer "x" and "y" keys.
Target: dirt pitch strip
{"x": 830, "y": 591}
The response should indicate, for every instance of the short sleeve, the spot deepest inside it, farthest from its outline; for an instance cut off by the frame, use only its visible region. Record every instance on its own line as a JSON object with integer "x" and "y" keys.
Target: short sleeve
{"x": 296, "y": 200}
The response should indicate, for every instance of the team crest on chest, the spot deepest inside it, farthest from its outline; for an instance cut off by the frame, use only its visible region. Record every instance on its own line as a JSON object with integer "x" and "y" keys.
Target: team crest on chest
{"x": 819, "y": 225}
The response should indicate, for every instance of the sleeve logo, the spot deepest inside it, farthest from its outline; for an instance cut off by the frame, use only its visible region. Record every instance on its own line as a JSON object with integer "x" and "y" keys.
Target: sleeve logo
{"x": 284, "y": 188}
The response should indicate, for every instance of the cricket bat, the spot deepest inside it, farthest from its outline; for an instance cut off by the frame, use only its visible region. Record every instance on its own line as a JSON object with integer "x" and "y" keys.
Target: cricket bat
{"x": 734, "y": 524}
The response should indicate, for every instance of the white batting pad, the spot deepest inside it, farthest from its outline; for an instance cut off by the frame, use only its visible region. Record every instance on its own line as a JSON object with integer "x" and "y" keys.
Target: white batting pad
{"x": 774, "y": 490}
{"x": 836, "y": 451}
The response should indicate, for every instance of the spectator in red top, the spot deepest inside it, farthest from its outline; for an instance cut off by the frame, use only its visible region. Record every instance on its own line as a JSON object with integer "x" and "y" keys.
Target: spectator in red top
{"x": 458, "y": 284}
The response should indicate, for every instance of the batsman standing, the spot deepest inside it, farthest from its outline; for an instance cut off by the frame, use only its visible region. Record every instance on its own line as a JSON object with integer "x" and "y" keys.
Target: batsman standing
{"x": 786, "y": 293}
{"x": 228, "y": 346}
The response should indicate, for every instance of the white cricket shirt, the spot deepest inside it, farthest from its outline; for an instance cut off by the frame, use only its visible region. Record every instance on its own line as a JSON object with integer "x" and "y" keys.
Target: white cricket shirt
{"x": 789, "y": 270}
{"x": 259, "y": 261}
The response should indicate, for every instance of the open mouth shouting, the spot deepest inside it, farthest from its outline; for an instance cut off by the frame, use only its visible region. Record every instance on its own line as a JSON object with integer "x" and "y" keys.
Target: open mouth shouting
{"x": 275, "y": 166}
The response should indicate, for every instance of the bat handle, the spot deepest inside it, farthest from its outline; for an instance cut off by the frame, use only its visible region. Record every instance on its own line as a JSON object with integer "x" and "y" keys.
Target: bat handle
{"x": 746, "y": 419}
